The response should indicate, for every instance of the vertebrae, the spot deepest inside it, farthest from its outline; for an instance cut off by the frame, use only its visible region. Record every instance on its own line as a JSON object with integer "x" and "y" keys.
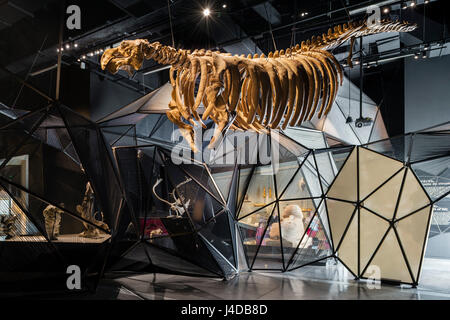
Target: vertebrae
{"x": 255, "y": 92}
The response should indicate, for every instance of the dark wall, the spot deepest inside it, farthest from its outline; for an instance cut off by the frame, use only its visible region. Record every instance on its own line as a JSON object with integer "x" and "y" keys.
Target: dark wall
{"x": 427, "y": 92}
{"x": 107, "y": 96}
{"x": 385, "y": 85}
{"x": 75, "y": 89}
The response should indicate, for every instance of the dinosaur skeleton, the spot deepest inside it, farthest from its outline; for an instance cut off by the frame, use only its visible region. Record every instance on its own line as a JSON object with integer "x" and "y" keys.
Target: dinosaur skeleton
{"x": 255, "y": 92}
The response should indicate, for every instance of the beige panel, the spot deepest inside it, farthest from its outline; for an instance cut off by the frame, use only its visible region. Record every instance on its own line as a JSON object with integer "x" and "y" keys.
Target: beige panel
{"x": 373, "y": 229}
{"x": 389, "y": 259}
{"x": 348, "y": 250}
{"x": 344, "y": 186}
{"x": 411, "y": 231}
{"x": 374, "y": 169}
{"x": 339, "y": 214}
{"x": 413, "y": 196}
{"x": 384, "y": 200}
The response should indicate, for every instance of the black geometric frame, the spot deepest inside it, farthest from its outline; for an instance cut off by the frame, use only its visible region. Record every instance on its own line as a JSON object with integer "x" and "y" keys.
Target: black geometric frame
{"x": 57, "y": 142}
{"x": 216, "y": 245}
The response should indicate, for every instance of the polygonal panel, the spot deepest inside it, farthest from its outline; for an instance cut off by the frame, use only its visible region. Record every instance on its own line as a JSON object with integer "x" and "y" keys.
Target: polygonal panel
{"x": 222, "y": 176}
{"x": 429, "y": 145}
{"x": 372, "y": 231}
{"x": 345, "y": 185}
{"x": 201, "y": 176}
{"x": 384, "y": 200}
{"x": 218, "y": 233}
{"x": 244, "y": 179}
{"x": 389, "y": 258}
{"x": 374, "y": 169}
{"x": 190, "y": 247}
{"x": 295, "y": 217}
{"x": 396, "y": 148}
{"x": 252, "y": 230}
{"x": 269, "y": 254}
{"x": 412, "y": 232}
{"x": 315, "y": 244}
{"x": 297, "y": 188}
{"x": 413, "y": 196}
{"x": 260, "y": 191}
{"x": 434, "y": 175}
{"x": 286, "y": 170}
{"x": 96, "y": 158}
{"x": 339, "y": 214}
{"x": 309, "y": 138}
{"x": 168, "y": 260}
{"x": 348, "y": 249}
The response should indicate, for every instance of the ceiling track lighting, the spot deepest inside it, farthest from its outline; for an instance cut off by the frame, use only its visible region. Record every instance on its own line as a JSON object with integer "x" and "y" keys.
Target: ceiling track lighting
{"x": 206, "y": 12}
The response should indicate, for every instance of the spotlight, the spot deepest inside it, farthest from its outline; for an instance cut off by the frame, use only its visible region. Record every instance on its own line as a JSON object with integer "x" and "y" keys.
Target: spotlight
{"x": 78, "y": 60}
{"x": 224, "y": 6}
{"x": 386, "y": 10}
{"x": 427, "y": 1}
{"x": 357, "y": 62}
{"x": 413, "y": 4}
{"x": 206, "y": 12}
{"x": 101, "y": 50}
{"x": 404, "y": 6}
{"x": 83, "y": 57}
{"x": 67, "y": 46}
{"x": 76, "y": 45}
{"x": 416, "y": 56}
{"x": 57, "y": 50}
{"x": 424, "y": 55}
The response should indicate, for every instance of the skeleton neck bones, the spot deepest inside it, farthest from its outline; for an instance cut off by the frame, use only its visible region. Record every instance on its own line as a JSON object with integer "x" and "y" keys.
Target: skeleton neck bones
{"x": 258, "y": 92}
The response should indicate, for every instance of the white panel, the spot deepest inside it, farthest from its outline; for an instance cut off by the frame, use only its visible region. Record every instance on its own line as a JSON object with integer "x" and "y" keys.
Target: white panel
{"x": 335, "y": 125}
{"x": 312, "y": 139}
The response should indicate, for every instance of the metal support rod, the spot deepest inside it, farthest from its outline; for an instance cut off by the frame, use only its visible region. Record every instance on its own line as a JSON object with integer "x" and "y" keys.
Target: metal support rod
{"x": 361, "y": 77}
{"x": 58, "y": 70}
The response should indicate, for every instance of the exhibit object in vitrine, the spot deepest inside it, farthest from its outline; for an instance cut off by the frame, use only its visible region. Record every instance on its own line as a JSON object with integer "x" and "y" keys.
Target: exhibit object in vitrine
{"x": 41, "y": 185}
{"x": 52, "y": 216}
{"x": 307, "y": 205}
{"x": 248, "y": 93}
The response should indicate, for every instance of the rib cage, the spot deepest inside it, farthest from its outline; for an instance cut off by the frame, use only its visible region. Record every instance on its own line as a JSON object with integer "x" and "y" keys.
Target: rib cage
{"x": 255, "y": 92}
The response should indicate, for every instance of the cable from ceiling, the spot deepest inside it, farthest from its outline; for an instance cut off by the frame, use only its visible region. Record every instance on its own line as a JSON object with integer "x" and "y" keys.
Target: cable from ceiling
{"x": 170, "y": 22}
{"x": 29, "y": 71}
{"x": 270, "y": 27}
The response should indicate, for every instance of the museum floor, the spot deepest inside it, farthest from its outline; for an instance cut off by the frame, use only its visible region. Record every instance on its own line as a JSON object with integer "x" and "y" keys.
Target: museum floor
{"x": 307, "y": 283}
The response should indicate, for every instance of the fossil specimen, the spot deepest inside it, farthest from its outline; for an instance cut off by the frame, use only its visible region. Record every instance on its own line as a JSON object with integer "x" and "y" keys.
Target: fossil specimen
{"x": 258, "y": 92}
{"x": 8, "y": 226}
{"x": 86, "y": 210}
{"x": 52, "y": 218}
